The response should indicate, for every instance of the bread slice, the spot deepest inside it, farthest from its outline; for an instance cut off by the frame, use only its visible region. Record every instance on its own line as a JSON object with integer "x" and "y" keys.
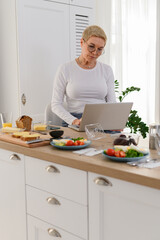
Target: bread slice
{"x": 19, "y": 134}
{"x": 30, "y": 136}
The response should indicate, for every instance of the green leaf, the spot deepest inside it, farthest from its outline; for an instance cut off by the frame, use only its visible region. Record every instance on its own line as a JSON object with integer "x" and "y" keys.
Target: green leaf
{"x": 120, "y": 98}
{"x": 134, "y": 122}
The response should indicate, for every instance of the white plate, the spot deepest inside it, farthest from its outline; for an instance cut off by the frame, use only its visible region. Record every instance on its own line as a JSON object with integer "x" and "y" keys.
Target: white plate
{"x": 124, "y": 159}
{"x": 87, "y": 143}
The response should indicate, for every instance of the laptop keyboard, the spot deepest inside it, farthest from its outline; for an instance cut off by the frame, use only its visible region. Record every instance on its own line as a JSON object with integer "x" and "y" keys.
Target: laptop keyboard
{"x": 74, "y": 126}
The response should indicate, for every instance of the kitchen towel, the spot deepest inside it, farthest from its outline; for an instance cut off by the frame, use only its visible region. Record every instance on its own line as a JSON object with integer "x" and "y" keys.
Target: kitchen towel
{"x": 88, "y": 151}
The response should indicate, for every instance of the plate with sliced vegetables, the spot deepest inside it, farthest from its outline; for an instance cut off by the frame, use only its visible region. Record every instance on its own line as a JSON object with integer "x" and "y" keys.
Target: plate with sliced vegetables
{"x": 125, "y": 153}
{"x": 70, "y": 144}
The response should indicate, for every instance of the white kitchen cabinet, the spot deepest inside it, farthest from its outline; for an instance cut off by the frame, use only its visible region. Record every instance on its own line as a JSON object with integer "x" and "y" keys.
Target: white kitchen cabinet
{"x": 122, "y": 210}
{"x": 39, "y": 230}
{"x": 57, "y": 195}
{"x": 36, "y": 37}
{"x": 43, "y": 45}
{"x": 12, "y": 199}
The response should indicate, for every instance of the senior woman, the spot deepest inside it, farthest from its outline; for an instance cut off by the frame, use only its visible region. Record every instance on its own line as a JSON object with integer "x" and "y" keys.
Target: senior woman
{"x": 83, "y": 80}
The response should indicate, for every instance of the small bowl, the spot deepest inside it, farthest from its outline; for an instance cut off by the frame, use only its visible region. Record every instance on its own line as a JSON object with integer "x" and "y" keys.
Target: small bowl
{"x": 56, "y": 133}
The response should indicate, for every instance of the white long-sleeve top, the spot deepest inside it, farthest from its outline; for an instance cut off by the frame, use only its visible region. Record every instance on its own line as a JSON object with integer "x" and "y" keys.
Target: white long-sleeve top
{"x": 81, "y": 86}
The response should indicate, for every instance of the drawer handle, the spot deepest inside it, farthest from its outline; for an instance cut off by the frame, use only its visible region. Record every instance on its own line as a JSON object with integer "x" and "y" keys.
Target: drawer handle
{"x": 52, "y": 169}
{"x": 54, "y": 233}
{"x": 102, "y": 181}
{"x": 14, "y": 157}
{"x": 52, "y": 200}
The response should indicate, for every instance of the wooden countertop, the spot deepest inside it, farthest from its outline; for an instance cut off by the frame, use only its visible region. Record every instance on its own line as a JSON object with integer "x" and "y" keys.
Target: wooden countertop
{"x": 98, "y": 164}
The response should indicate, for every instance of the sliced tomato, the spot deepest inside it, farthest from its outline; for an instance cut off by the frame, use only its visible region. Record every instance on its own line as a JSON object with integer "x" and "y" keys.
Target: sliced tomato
{"x": 69, "y": 143}
{"x": 117, "y": 153}
{"x": 122, "y": 154}
{"x": 110, "y": 152}
{"x": 81, "y": 143}
{"x": 76, "y": 143}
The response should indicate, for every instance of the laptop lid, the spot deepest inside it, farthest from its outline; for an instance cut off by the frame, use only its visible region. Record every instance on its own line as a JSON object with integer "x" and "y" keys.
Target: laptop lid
{"x": 111, "y": 116}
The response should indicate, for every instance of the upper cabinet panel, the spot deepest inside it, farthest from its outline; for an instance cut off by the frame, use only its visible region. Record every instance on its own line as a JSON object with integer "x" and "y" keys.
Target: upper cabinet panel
{"x": 83, "y": 3}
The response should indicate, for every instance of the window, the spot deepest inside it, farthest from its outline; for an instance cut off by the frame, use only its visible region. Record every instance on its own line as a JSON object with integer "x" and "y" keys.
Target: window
{"x": 131, "y": 50}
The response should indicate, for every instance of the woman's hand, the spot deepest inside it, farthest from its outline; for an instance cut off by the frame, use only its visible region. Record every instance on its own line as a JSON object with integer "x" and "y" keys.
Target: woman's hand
{"x": 77, "y": 121}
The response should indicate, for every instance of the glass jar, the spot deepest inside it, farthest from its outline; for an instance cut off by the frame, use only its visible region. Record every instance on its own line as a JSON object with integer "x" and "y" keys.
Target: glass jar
{"x": 154, "y": 129}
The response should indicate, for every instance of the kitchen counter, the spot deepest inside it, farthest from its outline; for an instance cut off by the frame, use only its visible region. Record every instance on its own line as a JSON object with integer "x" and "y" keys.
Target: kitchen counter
{"x": 97, "y": 164}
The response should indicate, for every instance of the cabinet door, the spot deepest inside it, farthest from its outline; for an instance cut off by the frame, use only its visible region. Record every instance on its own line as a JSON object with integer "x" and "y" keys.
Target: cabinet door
{"x": 39, "y": 230}
{"x": 123, "y": 210}
{"x": 43, "y": 34}
{"x": 80, "y": 18}
{"x": 12, "y": 199}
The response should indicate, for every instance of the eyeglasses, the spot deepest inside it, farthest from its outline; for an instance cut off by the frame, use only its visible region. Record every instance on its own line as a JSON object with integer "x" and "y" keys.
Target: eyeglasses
{"x": 91, "y": 48}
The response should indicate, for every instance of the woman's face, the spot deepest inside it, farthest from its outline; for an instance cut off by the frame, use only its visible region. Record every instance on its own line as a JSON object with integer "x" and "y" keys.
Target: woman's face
{"x": 92, "y": 48}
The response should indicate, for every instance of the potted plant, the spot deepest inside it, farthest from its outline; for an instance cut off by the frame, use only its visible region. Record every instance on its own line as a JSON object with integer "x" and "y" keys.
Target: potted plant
{"x": 134, "y": 122}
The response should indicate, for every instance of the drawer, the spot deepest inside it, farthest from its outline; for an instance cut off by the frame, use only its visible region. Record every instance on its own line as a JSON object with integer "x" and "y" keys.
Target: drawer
{"x": 11, "y": 157}
{"x": 58, "y": 211}
{"x": 46, "y": 231}
{"x": 63, "y": 181}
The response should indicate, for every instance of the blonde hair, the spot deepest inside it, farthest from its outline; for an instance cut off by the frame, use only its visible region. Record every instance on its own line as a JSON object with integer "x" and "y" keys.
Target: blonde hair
{"x": 94, "y": 30}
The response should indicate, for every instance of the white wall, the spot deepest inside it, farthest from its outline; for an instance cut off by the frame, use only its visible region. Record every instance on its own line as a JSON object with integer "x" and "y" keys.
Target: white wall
{"x": 8, "y": 57}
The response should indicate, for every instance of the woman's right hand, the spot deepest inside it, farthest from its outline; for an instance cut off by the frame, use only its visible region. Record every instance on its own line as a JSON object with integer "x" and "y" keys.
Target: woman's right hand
{"x": 76, "y": 121}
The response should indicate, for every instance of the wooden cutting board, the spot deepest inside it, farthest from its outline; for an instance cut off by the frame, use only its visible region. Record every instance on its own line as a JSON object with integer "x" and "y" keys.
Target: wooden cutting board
{"x": 8, "y": 138}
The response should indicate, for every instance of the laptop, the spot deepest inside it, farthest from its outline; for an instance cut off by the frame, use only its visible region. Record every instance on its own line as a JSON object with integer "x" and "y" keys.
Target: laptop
{"x": 111, "y": 116}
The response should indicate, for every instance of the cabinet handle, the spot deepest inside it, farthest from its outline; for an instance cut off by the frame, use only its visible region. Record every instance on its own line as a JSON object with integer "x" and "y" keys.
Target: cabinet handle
{"x": 23, "y": 99}
{"x": 52, "y": 169}
{"x": 14, "y": 157}
{"x": 53, "y": 201}
{"x": 102, "y": 181}
{"x": 54, "y": 233}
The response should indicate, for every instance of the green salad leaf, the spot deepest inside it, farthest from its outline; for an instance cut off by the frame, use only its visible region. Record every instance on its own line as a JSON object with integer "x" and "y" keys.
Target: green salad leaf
{"x": 133, "y": 153}
{"x": 76, "y": 139}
